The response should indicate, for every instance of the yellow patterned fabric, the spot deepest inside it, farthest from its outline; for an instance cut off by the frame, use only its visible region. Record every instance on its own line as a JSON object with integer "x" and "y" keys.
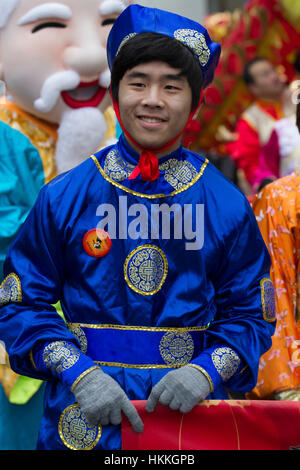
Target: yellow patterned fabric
{"x": 43, "y": 135}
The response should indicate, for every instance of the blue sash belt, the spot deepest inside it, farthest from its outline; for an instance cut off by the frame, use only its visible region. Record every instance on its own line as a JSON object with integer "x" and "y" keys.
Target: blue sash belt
{"x": 139, "y": 347}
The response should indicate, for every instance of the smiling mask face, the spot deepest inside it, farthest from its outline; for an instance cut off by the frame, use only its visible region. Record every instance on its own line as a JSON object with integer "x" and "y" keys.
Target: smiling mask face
{"x": 53, "y": 54}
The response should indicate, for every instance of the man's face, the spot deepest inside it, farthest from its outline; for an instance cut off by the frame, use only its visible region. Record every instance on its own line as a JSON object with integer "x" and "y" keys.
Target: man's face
{"x": 43, "y": 40}
{"x": 267, "y": 81}
{"x": 155, "y": 103}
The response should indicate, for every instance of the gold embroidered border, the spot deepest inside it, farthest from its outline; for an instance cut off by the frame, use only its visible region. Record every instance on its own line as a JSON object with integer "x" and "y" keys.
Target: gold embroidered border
{"x": 150, "y": 196}
{"x": 139, "y": 366}
{"x": 86, "y": 372}
{"x": 125, "y": 366}
{"x": 32, "y": 360}
{"x": 211, "y": 385}
{"x": 142, "y": 328}
{"x": 243, "y": 370}
{"x": 124, "y": 40}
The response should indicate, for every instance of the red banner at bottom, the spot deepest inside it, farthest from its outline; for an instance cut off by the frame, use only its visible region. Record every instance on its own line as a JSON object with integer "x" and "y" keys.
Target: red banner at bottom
{"x": 217, "y": 425}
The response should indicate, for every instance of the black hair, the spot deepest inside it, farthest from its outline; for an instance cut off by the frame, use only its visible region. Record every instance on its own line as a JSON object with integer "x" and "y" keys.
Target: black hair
{"x": 247, "y": 75}
{"x": 148, "y": 47}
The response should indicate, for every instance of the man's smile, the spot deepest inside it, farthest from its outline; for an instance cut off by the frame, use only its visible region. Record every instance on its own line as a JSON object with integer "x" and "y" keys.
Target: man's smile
{"x": 87, "y": 94}
{"x": 151, "y": 121}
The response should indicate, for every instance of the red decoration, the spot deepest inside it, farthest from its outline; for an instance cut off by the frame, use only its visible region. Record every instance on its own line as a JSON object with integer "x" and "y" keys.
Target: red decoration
{"x": 96, "y": 243}
{"x": 262, "y": 28}
{"x": 217, "y": 425}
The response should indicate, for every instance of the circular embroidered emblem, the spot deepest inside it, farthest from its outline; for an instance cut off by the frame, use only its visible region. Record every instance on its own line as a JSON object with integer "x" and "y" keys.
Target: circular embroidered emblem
{"x": 97, "y": 243}
{"x": 226, "y": 361}
{"x": 10, "y": 290}
{"x": 60, "y": 355}
{"x": 80, "y": 335}
{"x": 146, "y": 269}
{"x": 75, "y": 432}
{"x": 195, "y": 41}
{"x": 268, "y": 299}
{"x": 176, "y": 349}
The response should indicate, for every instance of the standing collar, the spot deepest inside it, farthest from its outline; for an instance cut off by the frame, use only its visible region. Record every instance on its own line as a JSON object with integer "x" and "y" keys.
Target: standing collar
{"x": 132, "y": 156}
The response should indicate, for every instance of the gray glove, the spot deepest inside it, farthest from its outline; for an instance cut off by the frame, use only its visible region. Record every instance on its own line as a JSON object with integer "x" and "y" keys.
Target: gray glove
{"x": 102, "y": 400}
{"x": 181, "y": 389}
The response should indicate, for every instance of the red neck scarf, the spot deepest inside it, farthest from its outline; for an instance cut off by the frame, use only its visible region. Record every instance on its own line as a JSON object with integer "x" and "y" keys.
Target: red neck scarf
{"x": 148, "y": 163}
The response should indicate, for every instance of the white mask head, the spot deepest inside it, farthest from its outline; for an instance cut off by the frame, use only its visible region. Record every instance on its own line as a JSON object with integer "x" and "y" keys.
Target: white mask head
{"x": 6, "y": 8}
{"x": 56, "y": 37}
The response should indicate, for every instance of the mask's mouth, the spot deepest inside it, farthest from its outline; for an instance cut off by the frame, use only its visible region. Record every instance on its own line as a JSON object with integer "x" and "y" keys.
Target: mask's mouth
{"x": 87, "y": 94}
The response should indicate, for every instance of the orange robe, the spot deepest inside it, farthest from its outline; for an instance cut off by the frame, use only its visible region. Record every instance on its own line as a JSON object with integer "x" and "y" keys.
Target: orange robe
{"x": 277, "y": 209}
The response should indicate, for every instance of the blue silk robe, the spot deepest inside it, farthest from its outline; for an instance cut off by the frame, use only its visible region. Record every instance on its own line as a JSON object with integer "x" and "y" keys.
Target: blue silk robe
{"x": 154, "y": 302}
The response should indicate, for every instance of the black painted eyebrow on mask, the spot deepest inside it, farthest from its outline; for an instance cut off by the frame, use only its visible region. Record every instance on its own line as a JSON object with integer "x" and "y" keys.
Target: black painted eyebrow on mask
{"x": 48, "y": 24}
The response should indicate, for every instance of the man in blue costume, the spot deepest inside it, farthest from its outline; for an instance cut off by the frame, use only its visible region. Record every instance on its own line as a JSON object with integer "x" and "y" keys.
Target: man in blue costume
{"x": 174, "y": 312}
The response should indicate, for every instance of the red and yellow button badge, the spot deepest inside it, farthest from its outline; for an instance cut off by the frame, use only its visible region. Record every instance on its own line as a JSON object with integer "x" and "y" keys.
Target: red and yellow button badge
{"x": 97, "y": 243}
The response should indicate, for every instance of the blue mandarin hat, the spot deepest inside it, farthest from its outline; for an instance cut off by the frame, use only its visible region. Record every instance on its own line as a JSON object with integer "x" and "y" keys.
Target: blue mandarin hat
{"x": 137, "y": 19}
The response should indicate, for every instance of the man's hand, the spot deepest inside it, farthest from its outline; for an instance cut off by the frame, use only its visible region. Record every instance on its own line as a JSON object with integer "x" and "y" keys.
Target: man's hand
{"x": 181, "y": 389}
{"x": 102, "y": 400}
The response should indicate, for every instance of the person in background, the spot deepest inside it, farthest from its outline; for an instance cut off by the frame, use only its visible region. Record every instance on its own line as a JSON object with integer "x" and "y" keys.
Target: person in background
{"x": 280, "y": 156}
{"x": 272, "y": 103}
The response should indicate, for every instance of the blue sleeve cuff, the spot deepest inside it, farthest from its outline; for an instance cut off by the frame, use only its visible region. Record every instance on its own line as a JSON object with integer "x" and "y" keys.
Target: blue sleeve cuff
{"x": 62, "y": 360}
{"x": 219, "y": 364}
